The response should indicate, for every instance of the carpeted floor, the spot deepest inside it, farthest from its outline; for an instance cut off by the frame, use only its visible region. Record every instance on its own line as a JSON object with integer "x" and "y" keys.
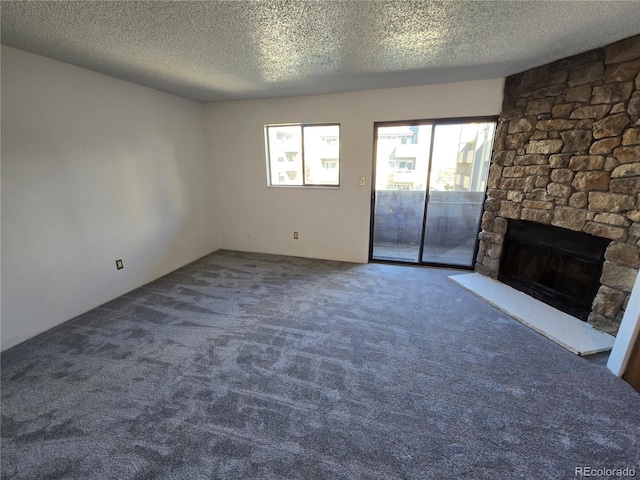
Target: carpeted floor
{"x": 245, "y": 365}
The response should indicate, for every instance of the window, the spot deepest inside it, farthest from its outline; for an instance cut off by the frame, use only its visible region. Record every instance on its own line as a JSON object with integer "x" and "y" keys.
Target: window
{"x": 329, "y": 163}
{"x": 312, "y": 155}
{"x": 330, "y": 141}
{"x": 406, "y": 165}
{"x": 430, "y": 179}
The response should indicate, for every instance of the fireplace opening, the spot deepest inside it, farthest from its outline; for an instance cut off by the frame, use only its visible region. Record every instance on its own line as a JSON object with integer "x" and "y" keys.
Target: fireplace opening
{"x": 559, "y": 267}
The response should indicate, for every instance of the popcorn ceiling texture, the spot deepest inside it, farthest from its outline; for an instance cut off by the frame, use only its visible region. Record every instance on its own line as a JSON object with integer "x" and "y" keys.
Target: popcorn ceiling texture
{"x": 224, "y": 50}
{"x": 567, "y": 153}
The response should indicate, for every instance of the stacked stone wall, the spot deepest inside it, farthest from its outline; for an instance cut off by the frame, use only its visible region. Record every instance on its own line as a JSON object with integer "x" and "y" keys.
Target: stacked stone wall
{"x": 567, "y": 153}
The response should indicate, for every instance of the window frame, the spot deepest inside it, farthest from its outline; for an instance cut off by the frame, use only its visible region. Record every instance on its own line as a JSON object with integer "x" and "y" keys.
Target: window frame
{"x": 302, "y": 126}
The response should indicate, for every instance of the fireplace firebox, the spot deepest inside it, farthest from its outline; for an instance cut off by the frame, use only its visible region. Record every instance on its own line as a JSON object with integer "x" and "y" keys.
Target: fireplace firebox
{"x": 559, "y": 267}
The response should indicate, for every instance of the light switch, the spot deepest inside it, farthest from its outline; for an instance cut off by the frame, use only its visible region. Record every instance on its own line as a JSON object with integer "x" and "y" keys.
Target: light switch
{"x": 362, "y": 181}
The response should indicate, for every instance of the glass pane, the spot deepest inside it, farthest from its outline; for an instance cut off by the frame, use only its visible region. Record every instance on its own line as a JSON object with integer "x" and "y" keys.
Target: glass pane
{"x": 322, "y": 154}
{"x": 402, "y": 160}
{"x": 285, "y": 155}
{"x": 460, "y": 164}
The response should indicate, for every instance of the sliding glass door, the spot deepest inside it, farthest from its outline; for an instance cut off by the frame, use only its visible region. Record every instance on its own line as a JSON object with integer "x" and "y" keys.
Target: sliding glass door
{"x": 430, "y": 180}
{"x": 401, "y": 170}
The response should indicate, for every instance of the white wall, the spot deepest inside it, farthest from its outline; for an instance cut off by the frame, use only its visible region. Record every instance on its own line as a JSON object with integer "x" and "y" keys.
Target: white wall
{"x": 94, "y": 169}
{"x": 333, "y": 224}
{"x": 627, "y": 333}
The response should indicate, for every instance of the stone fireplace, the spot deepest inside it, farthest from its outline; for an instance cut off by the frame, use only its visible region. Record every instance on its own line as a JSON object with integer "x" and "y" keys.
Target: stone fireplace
{"x": 557, "y": 266}
{"x": 567, "y": 154}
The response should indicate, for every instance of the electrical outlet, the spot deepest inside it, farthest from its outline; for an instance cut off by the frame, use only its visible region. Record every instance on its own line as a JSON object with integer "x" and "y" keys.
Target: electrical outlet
{"x": 362, "y": 181}
{"x": 295, "y": 235}
{"x": 119, "y": 264}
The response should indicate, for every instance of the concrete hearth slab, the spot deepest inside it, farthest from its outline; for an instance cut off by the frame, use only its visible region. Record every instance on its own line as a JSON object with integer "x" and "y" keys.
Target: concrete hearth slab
{"x": 575, "y": 335}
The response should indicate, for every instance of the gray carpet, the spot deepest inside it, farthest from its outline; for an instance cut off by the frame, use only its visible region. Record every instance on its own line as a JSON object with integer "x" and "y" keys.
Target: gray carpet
{"x": 247, "y": 365}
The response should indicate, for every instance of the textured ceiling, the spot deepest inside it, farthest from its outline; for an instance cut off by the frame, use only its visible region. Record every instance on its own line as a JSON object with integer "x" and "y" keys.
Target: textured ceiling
{"x": 225, "y": 50}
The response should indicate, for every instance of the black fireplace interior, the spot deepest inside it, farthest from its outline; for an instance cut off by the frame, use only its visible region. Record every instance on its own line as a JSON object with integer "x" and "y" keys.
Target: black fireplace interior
{"x": 559, "y": 267}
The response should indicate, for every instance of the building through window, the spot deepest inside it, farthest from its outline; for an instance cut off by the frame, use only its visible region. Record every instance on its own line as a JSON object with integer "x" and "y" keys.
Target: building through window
{"x": 312, "y": 153}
